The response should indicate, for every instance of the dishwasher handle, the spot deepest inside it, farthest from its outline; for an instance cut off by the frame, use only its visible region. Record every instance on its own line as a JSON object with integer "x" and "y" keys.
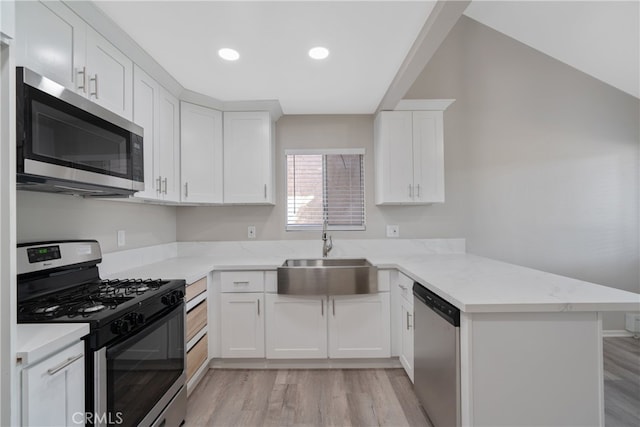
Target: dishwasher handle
{"x": 444, "y": 309}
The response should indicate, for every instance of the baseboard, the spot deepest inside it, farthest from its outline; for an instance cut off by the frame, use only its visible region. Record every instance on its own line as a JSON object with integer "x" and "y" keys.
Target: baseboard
{"x": 384, "y": 363}
{"x": 616, "y": 333}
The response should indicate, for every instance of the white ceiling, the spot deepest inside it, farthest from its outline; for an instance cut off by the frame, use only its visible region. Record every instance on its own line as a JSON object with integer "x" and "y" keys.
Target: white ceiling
{"x": 368, "y": 42}
{"x": 600, "y": 38}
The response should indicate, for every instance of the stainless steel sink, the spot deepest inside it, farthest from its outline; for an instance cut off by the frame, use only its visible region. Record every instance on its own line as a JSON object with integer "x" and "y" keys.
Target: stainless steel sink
{"x": 327, "y": 277}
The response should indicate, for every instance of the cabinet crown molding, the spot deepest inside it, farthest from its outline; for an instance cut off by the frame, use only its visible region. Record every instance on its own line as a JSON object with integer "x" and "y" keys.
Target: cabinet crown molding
{"x": 423, "y": 104}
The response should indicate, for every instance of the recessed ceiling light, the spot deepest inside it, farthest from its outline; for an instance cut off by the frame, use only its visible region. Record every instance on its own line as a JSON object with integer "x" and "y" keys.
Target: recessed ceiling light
{"x": 228, "y": 54}
{"x": 319, "y": 52}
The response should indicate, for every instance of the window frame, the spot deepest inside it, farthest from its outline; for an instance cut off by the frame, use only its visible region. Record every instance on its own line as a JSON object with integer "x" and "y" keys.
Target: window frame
{"x": 323, "y": 152}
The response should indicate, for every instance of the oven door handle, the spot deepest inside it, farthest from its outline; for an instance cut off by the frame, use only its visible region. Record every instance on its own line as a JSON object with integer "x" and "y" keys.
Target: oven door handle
{"x": 139, "y": 334}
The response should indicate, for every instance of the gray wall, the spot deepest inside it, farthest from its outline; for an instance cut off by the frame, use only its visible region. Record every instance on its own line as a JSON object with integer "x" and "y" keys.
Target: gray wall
{"x": 43, "y": 216}
{"x": 230, "y": 222}
{"x": 550, "y": 155}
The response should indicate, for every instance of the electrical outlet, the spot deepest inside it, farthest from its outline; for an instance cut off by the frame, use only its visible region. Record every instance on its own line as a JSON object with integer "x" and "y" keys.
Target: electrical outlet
{"x": 121, "y": 238}
{"x": 251, "y": 231}
{"x": 393, "y": 231}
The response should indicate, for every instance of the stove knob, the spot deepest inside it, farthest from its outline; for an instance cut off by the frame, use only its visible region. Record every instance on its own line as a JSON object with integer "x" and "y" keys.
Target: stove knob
{"x": 136, "y": 319}
{"x": 180, "y": 294}
{"x": 166, "y": 299}
{"x": 120, "y": 327}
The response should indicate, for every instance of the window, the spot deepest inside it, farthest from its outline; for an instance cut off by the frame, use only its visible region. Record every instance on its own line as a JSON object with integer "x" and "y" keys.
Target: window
{"x": 325, "y": 185}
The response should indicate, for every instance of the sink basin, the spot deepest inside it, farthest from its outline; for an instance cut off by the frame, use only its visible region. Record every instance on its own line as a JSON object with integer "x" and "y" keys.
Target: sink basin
{"x": 327, "y": 276}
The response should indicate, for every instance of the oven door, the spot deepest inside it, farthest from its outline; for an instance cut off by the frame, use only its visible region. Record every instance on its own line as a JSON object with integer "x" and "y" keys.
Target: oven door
{"x": 136, "y": 379}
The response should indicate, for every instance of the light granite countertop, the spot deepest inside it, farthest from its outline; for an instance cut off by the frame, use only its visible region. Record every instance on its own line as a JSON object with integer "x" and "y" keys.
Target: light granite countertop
{"x": 36, "y": 341}
{"x": 473, "y": 284}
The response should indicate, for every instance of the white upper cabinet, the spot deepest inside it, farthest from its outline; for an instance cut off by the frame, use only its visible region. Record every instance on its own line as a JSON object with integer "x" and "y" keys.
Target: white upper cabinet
{"x": 157, "y": 111}
{"x": 109, "y": 75}
{"x": 51, "y": 40}
{"x": 201, "y": 154}
{"x": 55, "y": 42}
{"x": 146, "y": 95}
{"x": 248, "y": 158}
{"x": 169, "y": 146}
{"x": 409, "y": 155}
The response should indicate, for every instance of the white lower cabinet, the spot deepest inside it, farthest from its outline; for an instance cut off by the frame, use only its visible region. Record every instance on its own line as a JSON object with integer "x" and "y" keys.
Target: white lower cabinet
{"x": 53, "y": 389}
{"x": 296, "y": 327}
{"x": 359, "y": 326}
{"x": 242, "y": 325}
{"x": 406, "y": 337}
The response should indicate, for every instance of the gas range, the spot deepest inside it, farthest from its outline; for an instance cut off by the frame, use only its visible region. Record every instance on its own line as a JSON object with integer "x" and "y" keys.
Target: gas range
{"x": 136, "y": 335}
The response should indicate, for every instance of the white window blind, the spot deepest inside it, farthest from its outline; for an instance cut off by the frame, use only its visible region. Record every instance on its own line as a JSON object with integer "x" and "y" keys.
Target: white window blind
{"x": 325, "y": 186}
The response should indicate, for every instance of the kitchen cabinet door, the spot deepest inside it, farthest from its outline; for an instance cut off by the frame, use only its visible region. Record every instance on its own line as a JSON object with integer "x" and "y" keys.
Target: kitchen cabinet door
{"x": 409, "y": 157}
{"x": 406, "y": 337}
{"x": 53, "y": 389}
{"x": 242, "y": 325}
{"x": 110, "y": 75}
{"x": 7, "y": 21}
{"x": 201, "y": 154}
{"x": 146, "y": 95}
{"x": 51, "y": 41}
{"x": 428, "y": 157}
{"x": 359, "y": 326}
{"x": 296, "y": 327}
{"x": 168, "y": 146}
{"x": 248, "y": 158}
{"x": 394, "y": 157}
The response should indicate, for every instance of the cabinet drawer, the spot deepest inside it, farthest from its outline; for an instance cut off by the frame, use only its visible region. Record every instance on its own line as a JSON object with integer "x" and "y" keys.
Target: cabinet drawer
{"x": 196, "y": 288}
{"x": 405, "y": 287}
{"x": 197, "y": 356}
{"x": 242, "y": 281}
{"x": 196, "y": 319}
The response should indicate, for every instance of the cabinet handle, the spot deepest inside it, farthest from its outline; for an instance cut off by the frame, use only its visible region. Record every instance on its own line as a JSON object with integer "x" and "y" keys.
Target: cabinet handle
{"x": 164, "y": 184}
{"x": 265, "y": 191}
{"x": 95, "y": 84}
{"x": 410, "y": 191}
{"x": 418, "y": 191}
{"x": 84, "y": 79}
{"x": 158, "y": 184}
{"x": 258, "y": 306}
{"x": 64, "y": 364}
{"x": 241, "y": 283}
{"x": 408, "y": 317}
{"x": 334, "y": 307}
{"x": 186, "y": 189}
{"x": 322, "y": 307}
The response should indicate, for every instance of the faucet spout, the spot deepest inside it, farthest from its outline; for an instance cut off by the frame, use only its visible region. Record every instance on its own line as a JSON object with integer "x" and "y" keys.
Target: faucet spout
{"x": 326, "y": 247}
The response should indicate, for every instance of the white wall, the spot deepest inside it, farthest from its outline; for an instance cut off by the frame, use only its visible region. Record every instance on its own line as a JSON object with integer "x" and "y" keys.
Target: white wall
{"x": 550, "y": 155}
{"x": 343, "y": 131}
{"x": 44, "y": 216}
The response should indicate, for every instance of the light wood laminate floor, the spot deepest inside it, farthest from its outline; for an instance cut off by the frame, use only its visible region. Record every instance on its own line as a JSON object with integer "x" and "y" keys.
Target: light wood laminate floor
{"x": 305, "y": 397}
{"x": 368, "y": 397}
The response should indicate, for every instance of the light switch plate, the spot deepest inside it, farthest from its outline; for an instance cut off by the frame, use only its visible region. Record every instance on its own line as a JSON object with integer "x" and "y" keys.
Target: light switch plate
{"x": 121, "y": 238}
{"x": 393, "y": 231}
{"x": 251, "y": 232}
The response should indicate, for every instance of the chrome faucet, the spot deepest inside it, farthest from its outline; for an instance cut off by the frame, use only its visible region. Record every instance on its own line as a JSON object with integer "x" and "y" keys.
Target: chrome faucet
{"x": 326, "y": 248}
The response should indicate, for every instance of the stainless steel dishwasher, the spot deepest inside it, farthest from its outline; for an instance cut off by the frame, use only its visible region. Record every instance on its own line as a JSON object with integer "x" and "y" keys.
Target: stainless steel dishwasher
{"x": 437, "y": 357}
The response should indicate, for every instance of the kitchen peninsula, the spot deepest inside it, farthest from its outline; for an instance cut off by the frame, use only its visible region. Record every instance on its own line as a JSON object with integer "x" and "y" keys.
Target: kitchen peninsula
{"x": 530, "y": 341}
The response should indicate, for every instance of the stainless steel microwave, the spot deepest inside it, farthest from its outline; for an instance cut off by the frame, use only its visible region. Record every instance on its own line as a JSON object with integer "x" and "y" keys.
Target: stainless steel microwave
{"x": 68, "y": 144}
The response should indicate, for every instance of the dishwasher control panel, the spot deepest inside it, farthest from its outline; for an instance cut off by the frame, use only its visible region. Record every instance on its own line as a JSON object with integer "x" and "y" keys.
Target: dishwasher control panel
{"x": 446, "y": 310}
